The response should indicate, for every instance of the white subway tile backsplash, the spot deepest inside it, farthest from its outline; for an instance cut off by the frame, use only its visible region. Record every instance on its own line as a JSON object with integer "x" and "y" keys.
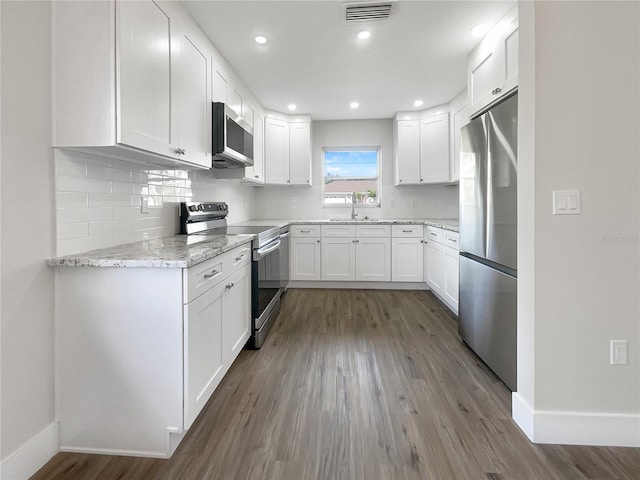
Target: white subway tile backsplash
{"x": 98, "y": 200}
{"x": 81, "y": 184}
{"x": 72, "y": 230}
{"x": 109, "y": 200}
{"x": 73, "y": 215}
{"x": 79, "y": 245}
{"x": 72, "y": 199}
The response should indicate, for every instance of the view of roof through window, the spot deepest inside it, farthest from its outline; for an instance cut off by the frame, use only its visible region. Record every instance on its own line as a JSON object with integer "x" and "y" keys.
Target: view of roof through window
{"x": 351, "y": 170}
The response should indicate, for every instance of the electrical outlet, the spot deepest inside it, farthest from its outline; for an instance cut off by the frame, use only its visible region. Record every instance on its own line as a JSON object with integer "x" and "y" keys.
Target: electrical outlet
{"x": 618, "y": 352}
{"x": 144, "y": 205}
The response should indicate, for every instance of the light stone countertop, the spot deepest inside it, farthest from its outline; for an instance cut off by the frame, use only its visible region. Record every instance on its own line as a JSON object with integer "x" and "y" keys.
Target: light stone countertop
{"x": 182, "y": 251}
{"x": 444, "y": 223}
{"x": 179, "y": 251}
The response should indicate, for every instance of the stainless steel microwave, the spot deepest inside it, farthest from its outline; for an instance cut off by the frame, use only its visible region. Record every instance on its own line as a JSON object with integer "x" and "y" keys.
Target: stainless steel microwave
{"x": 232, "y": 141}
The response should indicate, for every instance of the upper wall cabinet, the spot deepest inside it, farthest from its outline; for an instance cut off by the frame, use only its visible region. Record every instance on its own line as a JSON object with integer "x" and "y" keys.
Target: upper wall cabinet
{"x": 492, "y": 67}
{"x": 132, "y": 80}
{"x": 287, "y": 151}
{"x": 422, "y": 150}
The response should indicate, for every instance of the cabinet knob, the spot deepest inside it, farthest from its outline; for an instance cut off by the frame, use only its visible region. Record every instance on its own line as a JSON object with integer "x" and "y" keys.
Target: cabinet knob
{"x": 318, "y": 241}
{"x": 422, "y": 179}
{"x": 307, "y": 181}
{"x": 498, "y": 90}
{"x": 230, "y": 285}
{"x": 399, "y": 181}
{"x": 257, "y": 176}
{"x": 180, "y": 151}
{"x": 288, "y": 181}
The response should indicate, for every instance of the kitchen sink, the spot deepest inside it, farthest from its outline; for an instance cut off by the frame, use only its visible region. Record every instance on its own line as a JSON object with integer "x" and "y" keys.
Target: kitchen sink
{"x": 356, "y": 220}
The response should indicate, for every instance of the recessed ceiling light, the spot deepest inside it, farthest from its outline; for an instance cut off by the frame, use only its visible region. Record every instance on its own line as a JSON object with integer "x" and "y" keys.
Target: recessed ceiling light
{"x": 480, "y": 30}
{"x": 364, "y": 34}
{"x": 354, "y": 104}
{"x": 418, "y": 103}
{"x": 260, "y": 39}
{"x": 291, "y": 106}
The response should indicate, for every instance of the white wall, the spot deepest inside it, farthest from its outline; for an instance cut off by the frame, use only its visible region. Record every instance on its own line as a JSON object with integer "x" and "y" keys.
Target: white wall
{"x": 583, "y": 114}
{"x": 98, "y": 200}
{"x": 27, "y": 372}
{"x": 432, "y": 201}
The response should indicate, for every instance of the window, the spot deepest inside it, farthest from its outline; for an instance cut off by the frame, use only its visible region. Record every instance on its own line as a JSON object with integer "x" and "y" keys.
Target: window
{"x": 349, "y": 170}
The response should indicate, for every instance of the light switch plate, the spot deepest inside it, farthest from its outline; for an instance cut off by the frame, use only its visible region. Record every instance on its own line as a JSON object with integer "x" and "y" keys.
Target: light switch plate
{"x": 566, "y": 202}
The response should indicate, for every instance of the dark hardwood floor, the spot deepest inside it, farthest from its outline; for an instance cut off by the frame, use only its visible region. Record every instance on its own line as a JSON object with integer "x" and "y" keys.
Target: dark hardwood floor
{"x": 358, "y": 384}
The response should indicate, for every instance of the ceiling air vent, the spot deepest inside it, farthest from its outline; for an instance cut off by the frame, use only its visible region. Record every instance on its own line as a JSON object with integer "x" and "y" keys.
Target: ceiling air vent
{"x": 367, "y": 12}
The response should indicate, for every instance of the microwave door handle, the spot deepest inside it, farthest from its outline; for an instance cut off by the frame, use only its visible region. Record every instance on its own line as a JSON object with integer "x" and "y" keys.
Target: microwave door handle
{"x": 266, "y": 250}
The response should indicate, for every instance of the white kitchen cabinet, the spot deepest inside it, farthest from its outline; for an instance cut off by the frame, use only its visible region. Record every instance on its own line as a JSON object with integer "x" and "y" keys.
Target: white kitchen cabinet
{"x": 287, "y": 154}
{"x": 255, "y": 173}
{"x": 141, "y": 72}
{"x": 373, "y": 259}
{"x": 442, "y": 265}
{"x": 338, "y": 259}
{"x": 141, "y": 350}
{"x": 407, "y": 261}
{"x": 408, "y": 152}
{"x": 434, "y": 149}
{"x": 451, "y": 268}
{"x": 422, "y": 150}
{"x": 305, "y": 258}
{"x": 435, "y": 263}
{"x": 276, "y": 151}
{"x": 492, "y": 67}
{"x": 460, "y": 119}
{"x": 300, "y": 154}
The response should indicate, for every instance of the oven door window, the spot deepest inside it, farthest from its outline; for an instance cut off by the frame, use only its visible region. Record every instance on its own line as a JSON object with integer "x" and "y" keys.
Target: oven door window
{"x": 268, "y": 280}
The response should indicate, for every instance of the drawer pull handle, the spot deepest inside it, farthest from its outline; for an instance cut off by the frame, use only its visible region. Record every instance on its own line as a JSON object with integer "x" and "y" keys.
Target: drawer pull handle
{"x": 453, "y": 240}
{"x": 240, "y": 257}
{"x": 407, "y": 231}
{"x": 433, "y": 234}
{"x": 212, "y": 274}
{"x": 305, "y": 231}
{"x": 230, "y": 285}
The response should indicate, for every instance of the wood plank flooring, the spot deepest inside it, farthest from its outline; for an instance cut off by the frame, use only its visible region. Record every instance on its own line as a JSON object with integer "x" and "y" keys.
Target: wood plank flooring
{"x": 358, "y": 384}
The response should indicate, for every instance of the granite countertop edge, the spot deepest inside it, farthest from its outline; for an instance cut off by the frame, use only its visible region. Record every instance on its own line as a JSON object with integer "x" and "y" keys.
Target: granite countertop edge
{"x": 177, "y": 252}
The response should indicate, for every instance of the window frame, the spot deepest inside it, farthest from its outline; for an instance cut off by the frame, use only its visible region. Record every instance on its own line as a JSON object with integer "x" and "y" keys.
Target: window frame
{"x": 378, "y": 149}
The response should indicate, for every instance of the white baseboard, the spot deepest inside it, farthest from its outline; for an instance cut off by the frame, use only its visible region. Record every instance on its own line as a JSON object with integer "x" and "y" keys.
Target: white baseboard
{"x": 576, "y": 428}
{"x": 358, "y": 285}
{"x": 31, "y": 456}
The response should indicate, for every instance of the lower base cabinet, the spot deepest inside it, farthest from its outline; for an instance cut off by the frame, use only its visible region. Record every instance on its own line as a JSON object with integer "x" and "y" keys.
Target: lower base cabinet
{"x": 442, "y": 265}
{"x": 356, "y": 259}
{"x": 305, "y": 259}
{"x": 141, "y": 350}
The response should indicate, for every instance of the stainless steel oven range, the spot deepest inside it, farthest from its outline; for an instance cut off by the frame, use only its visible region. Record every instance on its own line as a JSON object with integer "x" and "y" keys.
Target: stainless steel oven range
{"x": 270, "y": 265}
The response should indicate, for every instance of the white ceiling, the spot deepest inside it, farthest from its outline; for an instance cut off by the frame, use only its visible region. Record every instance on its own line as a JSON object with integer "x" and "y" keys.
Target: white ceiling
{"x": 315, "y": 60}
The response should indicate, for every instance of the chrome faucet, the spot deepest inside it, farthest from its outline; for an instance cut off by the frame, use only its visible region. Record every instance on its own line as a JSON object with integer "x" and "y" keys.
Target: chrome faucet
{"x": 353, "y": 206}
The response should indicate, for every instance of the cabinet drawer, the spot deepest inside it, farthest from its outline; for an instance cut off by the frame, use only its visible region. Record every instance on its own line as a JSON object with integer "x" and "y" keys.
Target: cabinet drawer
{"x": 338, "y": 230}
{"x": 299, "y": 231}
{"x": 451, "y": 239}
{"x": 412, "y": 231}
{"x": 206, "y": 275}
{"x": 434, "y": 234}
{"x": 373, "y": 231}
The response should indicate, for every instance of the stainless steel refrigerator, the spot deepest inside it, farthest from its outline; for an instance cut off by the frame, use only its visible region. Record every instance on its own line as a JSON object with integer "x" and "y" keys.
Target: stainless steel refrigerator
{"x": 488, "y": 238}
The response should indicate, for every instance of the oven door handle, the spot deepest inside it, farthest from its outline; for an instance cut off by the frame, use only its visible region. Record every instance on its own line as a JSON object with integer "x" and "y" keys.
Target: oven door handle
{"x": 266, "y": 250}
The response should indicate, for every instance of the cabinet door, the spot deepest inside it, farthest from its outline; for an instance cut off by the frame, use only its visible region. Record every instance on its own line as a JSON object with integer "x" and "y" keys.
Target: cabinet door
{"x": 460, "y": 119}
{"x": 203, "y": 356}
{"x": 435, "y": 263}
{"x": 276, "y": 151}
{"x": 300, "y": 153}
{"x": 147, "y": 42}
{"x": 255, "y": 173}
{"x": 234, "y": 101}
{"x": 338, "y": 259}
{"x": 194, "y": 100}
{"x": 507, "y": 60}
{"x": 434, "y": 149}
{"x": 220, "y": 85}
{"x": 407, "y": 262}
{"x": 373, "y": 259}
{"x": 451, "y": 265}
{"x": 305, "y": 259}
{"x": 408, "y": 152}
{"x": 236, "y": 314}
{"x": 481, "y": 76}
